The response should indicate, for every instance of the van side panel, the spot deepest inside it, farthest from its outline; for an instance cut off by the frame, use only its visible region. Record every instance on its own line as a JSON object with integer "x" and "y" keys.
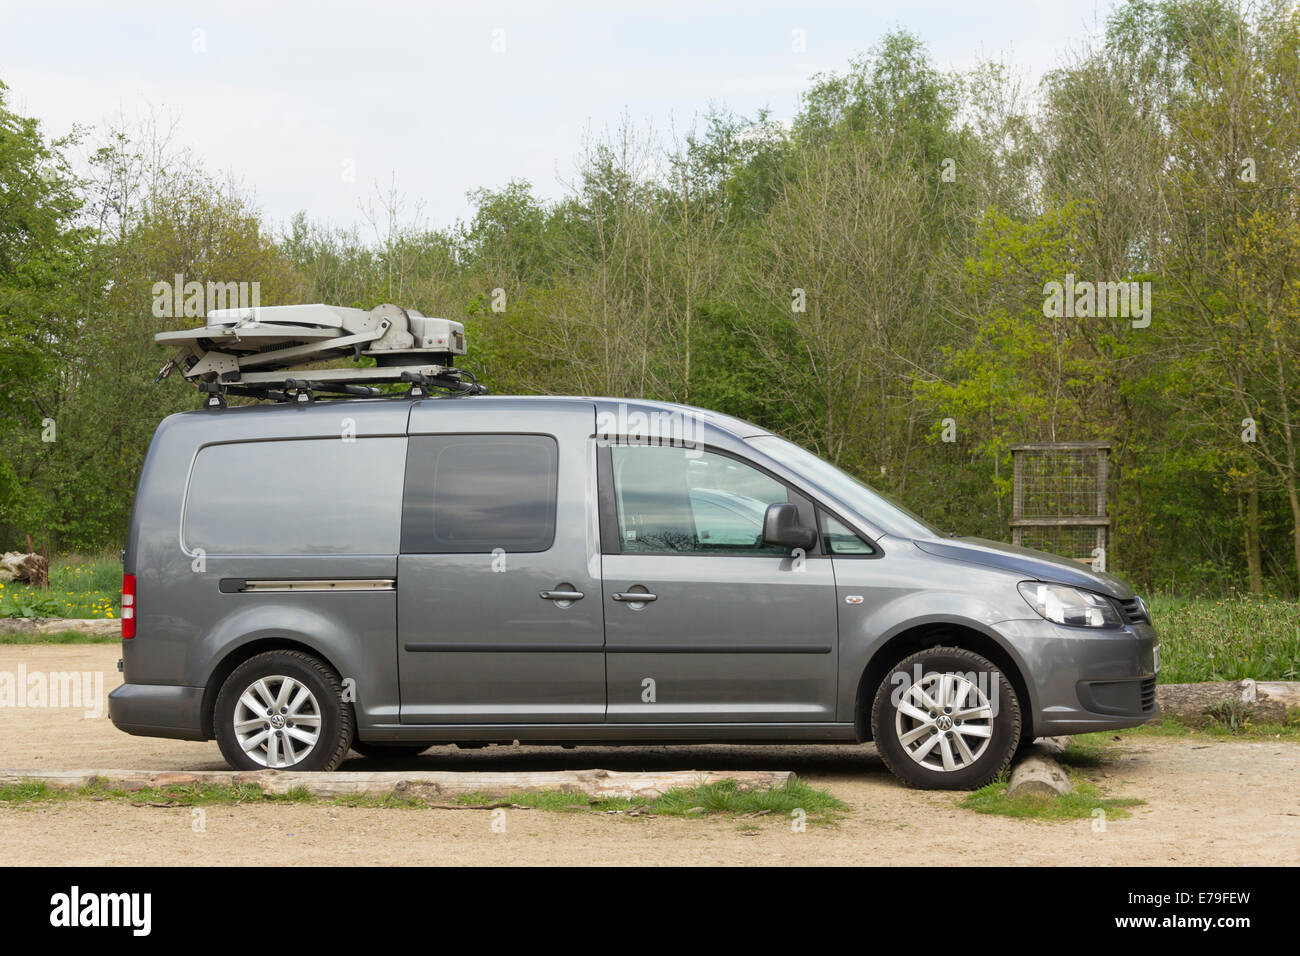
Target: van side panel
{"x": 192, "y": 609}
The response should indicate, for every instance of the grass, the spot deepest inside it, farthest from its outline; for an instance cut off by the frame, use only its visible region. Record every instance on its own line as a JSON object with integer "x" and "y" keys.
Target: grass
{"x": 1223, "y": 725}
{"x": 37, "y": 791}
{"x": 1082, "y": 804}
{"x": 1090, "y": 750}
{"x": 1082, "y": 753}
{"x": 1225, "y": 639}
{"x": 79, "y": 587}
{"x": 724, "y": 798}
{"x": 59, "y": 637}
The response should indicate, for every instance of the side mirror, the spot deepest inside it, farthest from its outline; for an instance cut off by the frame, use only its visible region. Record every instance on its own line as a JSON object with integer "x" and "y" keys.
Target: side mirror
{"x": 781, "y": 527}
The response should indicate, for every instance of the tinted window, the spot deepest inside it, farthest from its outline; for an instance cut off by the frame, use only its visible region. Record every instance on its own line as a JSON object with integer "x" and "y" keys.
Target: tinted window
{"x": 307, "y": 496}
{"x": 688, "y": 501}
{"x": 841, "y": 540}
{"x": 476, "y": 493}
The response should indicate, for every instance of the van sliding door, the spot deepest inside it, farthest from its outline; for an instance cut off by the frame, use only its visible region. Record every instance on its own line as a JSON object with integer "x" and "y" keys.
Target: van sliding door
{"x": 499, "y": 592}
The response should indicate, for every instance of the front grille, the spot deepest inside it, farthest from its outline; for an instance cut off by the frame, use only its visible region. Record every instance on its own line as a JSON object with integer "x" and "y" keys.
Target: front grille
{"x": 1148, "y": 695}
{"x": 1134, "y": 611}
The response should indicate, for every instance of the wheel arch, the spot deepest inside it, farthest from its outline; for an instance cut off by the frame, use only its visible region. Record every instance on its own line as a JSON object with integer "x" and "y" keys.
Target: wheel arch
{"x": 238, "y": 655}
{"x": 939, "y": 633}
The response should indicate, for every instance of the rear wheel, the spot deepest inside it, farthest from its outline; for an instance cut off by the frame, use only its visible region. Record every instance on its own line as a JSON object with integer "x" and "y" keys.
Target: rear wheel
{"x": 283, "y": 710}
{"x": 946, "y": 719}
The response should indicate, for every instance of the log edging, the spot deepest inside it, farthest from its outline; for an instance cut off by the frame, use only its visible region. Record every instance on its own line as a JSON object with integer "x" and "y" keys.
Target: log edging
{"x": 99, "y": 626}
{"x": 1199, "y": 704}
{"x": 597, "y": 784}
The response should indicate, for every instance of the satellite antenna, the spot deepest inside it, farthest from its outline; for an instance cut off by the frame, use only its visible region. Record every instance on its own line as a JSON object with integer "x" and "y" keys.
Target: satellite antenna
{"x": 270, "y": 351}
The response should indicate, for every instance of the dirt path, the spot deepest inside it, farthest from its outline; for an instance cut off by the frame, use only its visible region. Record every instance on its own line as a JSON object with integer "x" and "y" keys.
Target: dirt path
{"x": 1207, "y": 802}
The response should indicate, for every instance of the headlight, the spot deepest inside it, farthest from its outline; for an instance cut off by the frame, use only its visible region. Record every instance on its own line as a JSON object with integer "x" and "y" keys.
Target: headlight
{"x": 1069, "y": 606}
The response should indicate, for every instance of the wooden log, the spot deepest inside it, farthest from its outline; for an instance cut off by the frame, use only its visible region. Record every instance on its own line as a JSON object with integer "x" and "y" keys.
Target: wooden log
{"x": 30, "y": 568}
{"x": 99, "y": 626}
{"x": 9, "y": 565}
{"x": 1262, "y": 701}
{"x": 1038, "y": 775}
{"x": 595, "y": 784}
{"x": 57, "y": 625}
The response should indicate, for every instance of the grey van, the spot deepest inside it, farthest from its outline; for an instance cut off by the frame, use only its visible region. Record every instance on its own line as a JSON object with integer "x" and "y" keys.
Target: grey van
{"x": 391, "y": 573}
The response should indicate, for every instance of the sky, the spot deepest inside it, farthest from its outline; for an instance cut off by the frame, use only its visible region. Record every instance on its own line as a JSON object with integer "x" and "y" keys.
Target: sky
{"x": 319, "y": 106}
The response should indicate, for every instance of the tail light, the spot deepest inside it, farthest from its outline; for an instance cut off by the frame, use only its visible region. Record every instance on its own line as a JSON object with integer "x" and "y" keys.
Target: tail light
{"x": 128, "y": 606}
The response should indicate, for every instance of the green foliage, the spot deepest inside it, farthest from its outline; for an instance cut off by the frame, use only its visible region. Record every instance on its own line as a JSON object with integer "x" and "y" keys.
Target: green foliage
{"x": 1221, "y": 639}
{"x": 79, "y": 588}
{"x": 1083, "y": 803}
{"x": 39, "y": 250}
{"x": 28, "y": 603}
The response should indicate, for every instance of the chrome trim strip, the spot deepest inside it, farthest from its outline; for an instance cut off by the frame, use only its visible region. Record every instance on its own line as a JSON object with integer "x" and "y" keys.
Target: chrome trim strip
{"x": 648, "y": 648}
{"x": 355, "y": 584}
{"x": 470, "y": 647}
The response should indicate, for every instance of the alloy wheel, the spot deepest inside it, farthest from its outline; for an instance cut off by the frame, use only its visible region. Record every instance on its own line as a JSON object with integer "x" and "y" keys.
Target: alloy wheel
{"x": 277, "y": 721}
{"x": 944, "y": 722}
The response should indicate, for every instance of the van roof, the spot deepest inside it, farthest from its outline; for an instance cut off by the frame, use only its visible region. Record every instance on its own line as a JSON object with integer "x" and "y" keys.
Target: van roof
{"x": 621, "y": 413}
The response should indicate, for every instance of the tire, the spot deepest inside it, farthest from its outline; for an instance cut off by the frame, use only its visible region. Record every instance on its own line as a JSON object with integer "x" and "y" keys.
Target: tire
{"x": 950, "y": 756}
{"x": 387, "y": 751}
{"x": 310, "y": 699}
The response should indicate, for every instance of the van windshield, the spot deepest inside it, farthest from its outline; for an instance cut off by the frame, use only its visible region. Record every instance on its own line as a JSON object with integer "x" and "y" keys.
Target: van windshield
{"x": 862, "y": 498}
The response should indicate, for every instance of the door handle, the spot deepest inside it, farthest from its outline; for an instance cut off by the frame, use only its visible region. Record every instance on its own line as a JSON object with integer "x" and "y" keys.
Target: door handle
{"x": 635, "y": 597}
{"x": 560, "y": 595}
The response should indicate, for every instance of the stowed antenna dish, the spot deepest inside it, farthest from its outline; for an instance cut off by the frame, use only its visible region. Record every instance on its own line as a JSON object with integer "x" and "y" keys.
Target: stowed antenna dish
{"x": 262, "y": 352}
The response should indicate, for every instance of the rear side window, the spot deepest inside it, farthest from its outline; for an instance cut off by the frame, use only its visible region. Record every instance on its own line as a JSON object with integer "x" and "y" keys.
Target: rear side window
{"x": 470, "y": 494}
{"x": 304, "y": 496}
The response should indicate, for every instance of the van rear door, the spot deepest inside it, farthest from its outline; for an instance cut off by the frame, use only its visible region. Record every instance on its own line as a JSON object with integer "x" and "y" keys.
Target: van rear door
{"x": 499, "y": 592}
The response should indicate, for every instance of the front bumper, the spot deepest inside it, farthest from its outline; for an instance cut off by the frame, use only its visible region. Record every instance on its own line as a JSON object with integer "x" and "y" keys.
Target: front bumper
{"x": 1083, "y": 680}
{"x": 158, "y": 710}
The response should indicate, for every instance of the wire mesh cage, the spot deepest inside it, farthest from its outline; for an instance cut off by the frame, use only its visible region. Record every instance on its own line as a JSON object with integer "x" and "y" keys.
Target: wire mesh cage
{"x": 1059, "y": 499}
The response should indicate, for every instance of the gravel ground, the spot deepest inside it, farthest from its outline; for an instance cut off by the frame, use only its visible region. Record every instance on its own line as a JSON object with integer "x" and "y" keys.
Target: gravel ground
{"x": 1208, "y": 801}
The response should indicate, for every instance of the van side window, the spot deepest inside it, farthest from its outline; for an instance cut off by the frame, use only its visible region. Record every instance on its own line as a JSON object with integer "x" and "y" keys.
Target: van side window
{"x": 472, "y": 494}
{"x": 283, "y": 497}
{"x": 840, "y": 540}
{"x": 674, "y": 500}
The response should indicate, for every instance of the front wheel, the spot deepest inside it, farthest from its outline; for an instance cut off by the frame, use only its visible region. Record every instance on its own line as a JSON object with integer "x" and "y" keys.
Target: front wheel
{"x": 283, "y": 710}
{"x": 946, "y": 719}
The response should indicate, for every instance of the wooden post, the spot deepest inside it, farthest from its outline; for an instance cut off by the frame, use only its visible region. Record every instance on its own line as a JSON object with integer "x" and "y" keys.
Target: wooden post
{"x": 1102, "y": 477}
{"x": 1017, "y": 496}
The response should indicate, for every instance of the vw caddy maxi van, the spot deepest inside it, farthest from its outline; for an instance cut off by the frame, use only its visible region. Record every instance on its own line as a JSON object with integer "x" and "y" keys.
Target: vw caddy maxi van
{"x": 385, "y": 574}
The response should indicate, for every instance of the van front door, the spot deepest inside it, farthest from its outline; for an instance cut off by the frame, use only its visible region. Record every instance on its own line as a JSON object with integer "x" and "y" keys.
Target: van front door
{"x": 498, "y": 583}
{"x": 705, "y": 624}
